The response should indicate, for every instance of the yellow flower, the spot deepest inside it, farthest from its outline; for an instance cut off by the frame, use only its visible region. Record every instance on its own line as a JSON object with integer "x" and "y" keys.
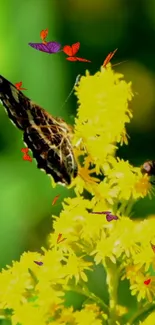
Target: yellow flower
{"x": 35, "y": 294}
{"x": 127, "y": 180}
{"x": 28, "y": 314}
{"x": 84, "y": 317}
{"x": 143, "y": 186}
{"x": 149, "y": 320}
{"x": 130, "y": 273}
{"x": 102, "y": 113}
{"x": 75, "y": 268}
{"x": 16, "y": 281}
{"x": 142, "y": 290}
{"x": 104, "y": 248}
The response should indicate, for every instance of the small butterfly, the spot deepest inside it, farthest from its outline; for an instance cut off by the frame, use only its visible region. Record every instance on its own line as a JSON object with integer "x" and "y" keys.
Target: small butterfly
{"x": 109, "y": 216}
{"x": 101, "y": 212}
{"x": 25, "y": 150}
{"x": 55, "y": 199}
{"x": 49, "y": 47}
{"x": 43, "y": 35}
{"x": 26, "y": 156}
{"x": 71, "y": 51}
{"x": 147, "y": 282}
{"x": 108, "y": 58}
{"x": 38, "y": 263}
{"x": 18, "y": 86}
{"x": 153, "y": 247}
{"x": 60, "y": 239}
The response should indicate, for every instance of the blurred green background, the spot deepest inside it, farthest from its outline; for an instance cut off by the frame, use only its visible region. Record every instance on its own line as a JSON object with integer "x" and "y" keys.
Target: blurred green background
{"x": 100, "y": 26}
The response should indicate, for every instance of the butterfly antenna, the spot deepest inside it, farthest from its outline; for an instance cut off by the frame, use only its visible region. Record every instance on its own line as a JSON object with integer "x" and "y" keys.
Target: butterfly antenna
{"x": 119, "y": 63}
{"x": 75, "y": 83}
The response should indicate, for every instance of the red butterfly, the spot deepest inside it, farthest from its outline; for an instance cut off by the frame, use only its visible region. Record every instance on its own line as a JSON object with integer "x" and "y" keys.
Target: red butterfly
{"x": 26, "y": 156}
{"x": 71, "y": 51}
{"x": 43, "y": 35}
{"x": 18, "y": 86}
{"x": 108, "y": 58}
{"x": 55, "y": 199}
{"x": 147, "y": 282}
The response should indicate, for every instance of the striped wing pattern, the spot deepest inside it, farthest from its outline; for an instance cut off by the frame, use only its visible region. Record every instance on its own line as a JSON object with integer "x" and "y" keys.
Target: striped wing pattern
{"x": 46, "y": 136}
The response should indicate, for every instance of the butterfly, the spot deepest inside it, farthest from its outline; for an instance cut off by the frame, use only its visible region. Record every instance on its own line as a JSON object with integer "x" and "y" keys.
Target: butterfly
{"x": 153, "y": 247}
{"x": 26, "y": 156}
{"x": 147, "y": 282}
{"x": 43, "y": 35}
{"x": 55, "y": 199}
{"x": 38, "y": 263}
{"x": 109, "y": 216}
{"x": 60, "y": 239}
{"x": 108, "y": 58}
{"x": 18, "y": 86}
{"x": 71, "y": 51}
{"x": 49, "y": 47}
{"x": 47, "y": 137}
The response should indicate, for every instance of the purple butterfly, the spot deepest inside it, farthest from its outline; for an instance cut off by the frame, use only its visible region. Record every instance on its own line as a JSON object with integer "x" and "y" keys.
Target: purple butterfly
{"x": 38, "y": 263}
{"x": 109, "y": 216}
{"x": 49, "y": 47}
{"x": 101, "y": 212}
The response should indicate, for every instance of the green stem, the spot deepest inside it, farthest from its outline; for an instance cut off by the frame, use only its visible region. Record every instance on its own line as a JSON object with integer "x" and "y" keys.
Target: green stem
{"x": 85, "y": 292}
{"x": 112, "y": 282}
{"x": 148, "y": 308}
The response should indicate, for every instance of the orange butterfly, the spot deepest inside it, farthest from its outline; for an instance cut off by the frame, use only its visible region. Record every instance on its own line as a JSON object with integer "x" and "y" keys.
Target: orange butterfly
{"x": 25, "y": 150}
{"x": 26, "y": 156}
{"x": 55, "y": 199}
{"x": 43, "y": 35}
{"x": 153, "y": 247}
{"x": 109, "y": 57}
{"x": 18, "y": 86}
{"x": 60, "y": 239}
{"x": 71, "y": 51}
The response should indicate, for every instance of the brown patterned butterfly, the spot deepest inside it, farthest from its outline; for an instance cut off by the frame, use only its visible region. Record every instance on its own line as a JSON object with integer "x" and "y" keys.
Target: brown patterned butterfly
{"x": 46, "y": 136}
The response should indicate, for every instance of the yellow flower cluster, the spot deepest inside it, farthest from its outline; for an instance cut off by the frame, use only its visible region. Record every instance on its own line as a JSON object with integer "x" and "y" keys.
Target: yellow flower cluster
{"x": 33, "y": 291}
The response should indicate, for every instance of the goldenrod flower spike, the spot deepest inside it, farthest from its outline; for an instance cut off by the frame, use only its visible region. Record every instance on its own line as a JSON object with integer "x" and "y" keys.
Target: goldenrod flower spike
{"x": 33, "y": 290}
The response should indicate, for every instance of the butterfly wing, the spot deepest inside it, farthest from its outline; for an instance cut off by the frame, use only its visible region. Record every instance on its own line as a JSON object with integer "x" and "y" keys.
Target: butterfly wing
{"x": 67, "y": 49}
{"x": 39, "y": 46}
{"x": 75, "y": 48}
{"x": 49, "y": 47}
{"x": 109, "y": 57}
{"x": 71, "y": 58}
{"x": 75, "y": 58}
{"x": 44, "y": 33}
{"x": 15, "y": 102}
{"x": 52, "y": 151}
{"x": 53, "y": 47}
{"x": 71, "y": 50}
{"x": 18, "y": 84}
{"x": 111, "y": 217}
{"x": 46, "y": 136}
{"x": 25, "y": 150}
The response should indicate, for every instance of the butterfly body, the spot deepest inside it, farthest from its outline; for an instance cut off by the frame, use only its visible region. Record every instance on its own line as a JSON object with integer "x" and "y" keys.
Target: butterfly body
{"x": 46, "y": 136}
